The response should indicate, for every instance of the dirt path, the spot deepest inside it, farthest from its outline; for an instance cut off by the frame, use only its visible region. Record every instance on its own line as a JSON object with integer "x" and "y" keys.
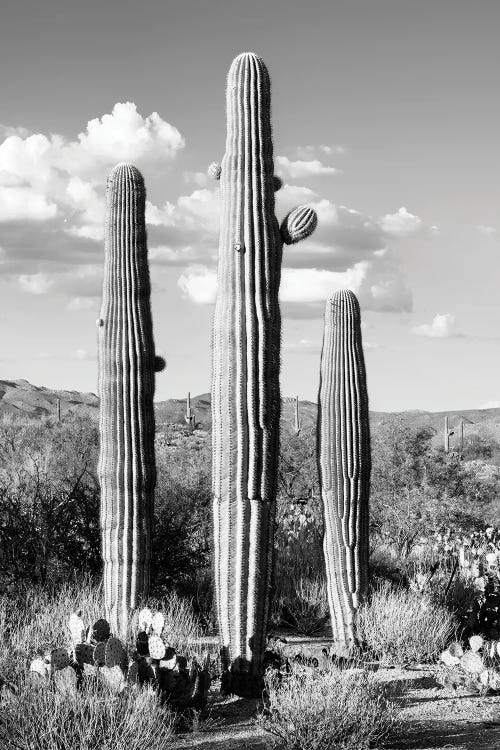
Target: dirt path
{"x": 432, "y": 717}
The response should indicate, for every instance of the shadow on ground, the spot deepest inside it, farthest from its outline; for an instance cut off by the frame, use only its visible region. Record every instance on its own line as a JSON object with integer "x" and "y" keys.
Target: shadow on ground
{"x": 481, "y": 735}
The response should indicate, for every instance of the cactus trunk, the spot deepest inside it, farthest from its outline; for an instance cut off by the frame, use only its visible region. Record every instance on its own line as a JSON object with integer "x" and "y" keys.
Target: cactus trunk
{"x": 126, "y": 467}
{"x": 344, "y": 463}
{"x": 245, "y": 380}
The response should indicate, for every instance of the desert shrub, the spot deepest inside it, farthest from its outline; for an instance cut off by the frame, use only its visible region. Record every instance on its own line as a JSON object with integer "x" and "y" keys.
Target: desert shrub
{"x": 402, "y": 626}
{"x": 305, "y": 605}
{"x": 416, "y": 488}
{"x": 42, "y": 718}
{"x": 183, "y": 527}
{"x": 326, "y": 710}
{"x": 49, "y": 500}
{"x": 299, "y": 529}
{"x": 182, "y": 626}
{"x": 34, "y": 620}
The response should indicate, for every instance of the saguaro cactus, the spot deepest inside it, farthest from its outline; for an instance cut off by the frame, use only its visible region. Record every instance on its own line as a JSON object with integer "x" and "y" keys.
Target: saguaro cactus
{"x": 344, "y": 463}
{"x": 127, "y": 365}
{"x": 246, "y": 363}
{"x": 189, "y": 413}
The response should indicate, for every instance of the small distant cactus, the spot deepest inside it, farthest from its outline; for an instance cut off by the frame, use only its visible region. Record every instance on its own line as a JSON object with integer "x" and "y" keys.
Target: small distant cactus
{"x": 297, "y": 423}
{"x": 344, "y": 463}
{"x": 189, "y": 415}
{"x": 127, "y": 365}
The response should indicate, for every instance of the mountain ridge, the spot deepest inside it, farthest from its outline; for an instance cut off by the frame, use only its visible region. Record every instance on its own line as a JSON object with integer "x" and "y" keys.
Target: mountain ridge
{"x": 23, "y": 399}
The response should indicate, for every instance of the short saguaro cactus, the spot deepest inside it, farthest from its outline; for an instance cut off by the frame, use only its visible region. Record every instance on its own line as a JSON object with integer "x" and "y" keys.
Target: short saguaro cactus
{"x": 344, "y": 463}
{"x": 127, "y": 365}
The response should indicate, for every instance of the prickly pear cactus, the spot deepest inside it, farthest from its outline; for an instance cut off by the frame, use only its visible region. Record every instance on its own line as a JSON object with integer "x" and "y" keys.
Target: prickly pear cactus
{"x": 127, "y": 366}
{"x": 344, "y": 463}
{"x": 245, "y": 379}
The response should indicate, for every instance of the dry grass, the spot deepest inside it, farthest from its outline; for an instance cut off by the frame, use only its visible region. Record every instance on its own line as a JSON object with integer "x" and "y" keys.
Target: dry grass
{"x": 326, "y": 710}
{"x": 36, "y": 620}
{"x": 41, "y": 718}
{"x": 307, "y": 602}
{"x": 38, "y": 716}
{"x": 404, "y": 627}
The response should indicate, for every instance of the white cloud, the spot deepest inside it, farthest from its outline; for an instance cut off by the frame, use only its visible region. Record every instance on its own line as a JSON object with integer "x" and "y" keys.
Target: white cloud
{"x": 400, "y": 224}
{"x": 199, "y": 283}
{"x": 79, "y": 282}
{"x": 490, "y": 405}
{"x": 199, "y": 210}
{"x": 200, "y": 179}
{"x": 123, "y": 135}
{"x": 24, "y": 204}
{"x": 82, "y": 303}
{"x": 35, "y": 283}
{"x": 377, "y": 289}
{"x": 308, "y": 152}
{"x": 304, "y": 168}
{"x": 442, "y": 327}
{"x": 83, "y": 354}
{"x": 486, "y": 230}
{"x": 50, "y": 178}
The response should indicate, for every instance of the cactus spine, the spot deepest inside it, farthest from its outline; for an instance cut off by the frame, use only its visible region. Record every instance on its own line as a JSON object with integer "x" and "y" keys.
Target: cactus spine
{"x": 344, "y": 463}
{"x": 127, "y": 364}
{"x": 245, "y": 380}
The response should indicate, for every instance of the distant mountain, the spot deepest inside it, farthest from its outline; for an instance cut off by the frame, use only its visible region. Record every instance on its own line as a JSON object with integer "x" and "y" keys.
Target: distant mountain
{"x": 18, "y": 397}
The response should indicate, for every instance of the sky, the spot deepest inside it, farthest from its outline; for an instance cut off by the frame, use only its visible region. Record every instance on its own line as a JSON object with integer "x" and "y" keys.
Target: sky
{"x": 385, "y": 119}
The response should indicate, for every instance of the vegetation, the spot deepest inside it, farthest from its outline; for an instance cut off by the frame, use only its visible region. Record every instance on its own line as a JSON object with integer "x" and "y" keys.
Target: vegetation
{"x": 43, "y": 718}
{"x": 401, "y": 626}
{"x": 328, "y": 710}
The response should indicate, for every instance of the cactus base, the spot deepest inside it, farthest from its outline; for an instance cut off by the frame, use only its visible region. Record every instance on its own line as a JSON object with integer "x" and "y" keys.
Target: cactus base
{"x": 242, "y": 684}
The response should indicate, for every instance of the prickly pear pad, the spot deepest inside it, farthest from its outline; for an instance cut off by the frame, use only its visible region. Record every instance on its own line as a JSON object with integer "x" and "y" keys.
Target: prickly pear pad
{"x": 84, "y": 653}
{"x": 156, "y": 647}
{"x": 100, "y": 631}
{"x": 59, "y": 659}
{"x": 158, "y": 623}
{"x": 76, "y": 628}
{"x": 100, "y": 654}
{"x": 114, "y": 653}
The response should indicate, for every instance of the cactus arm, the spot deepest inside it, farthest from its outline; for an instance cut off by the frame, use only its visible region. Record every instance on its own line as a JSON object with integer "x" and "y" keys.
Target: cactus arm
{"x": 127, "y": 364}
{"x": 298, "y": 225}
{"x": 344, "y": 462}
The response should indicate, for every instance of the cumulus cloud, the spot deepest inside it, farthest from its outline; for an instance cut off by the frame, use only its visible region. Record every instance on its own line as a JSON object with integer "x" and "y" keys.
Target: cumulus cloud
{"x": 310, "y": 151}
{"x": 20, "y": 203}
{"x": 486, "y": 230}
{"x": 441, "y": 327}
{"x": 400, "y": 224}
{"x": 57, "y": 185}
{"x": 82, "y": 303}
{"x": 304, "y": 168}
{"x": 35, "y": 283}
{"x": 79, "y": 283}
{"x": 377, "y": 288}
{"x": 82, "y": 355}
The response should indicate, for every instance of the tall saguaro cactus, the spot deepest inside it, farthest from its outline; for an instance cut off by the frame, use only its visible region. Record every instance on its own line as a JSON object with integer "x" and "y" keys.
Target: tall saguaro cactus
{"x": 344, "y": 463}
{"x": 246, "y": 364}
{"x": 127, "y": 364}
